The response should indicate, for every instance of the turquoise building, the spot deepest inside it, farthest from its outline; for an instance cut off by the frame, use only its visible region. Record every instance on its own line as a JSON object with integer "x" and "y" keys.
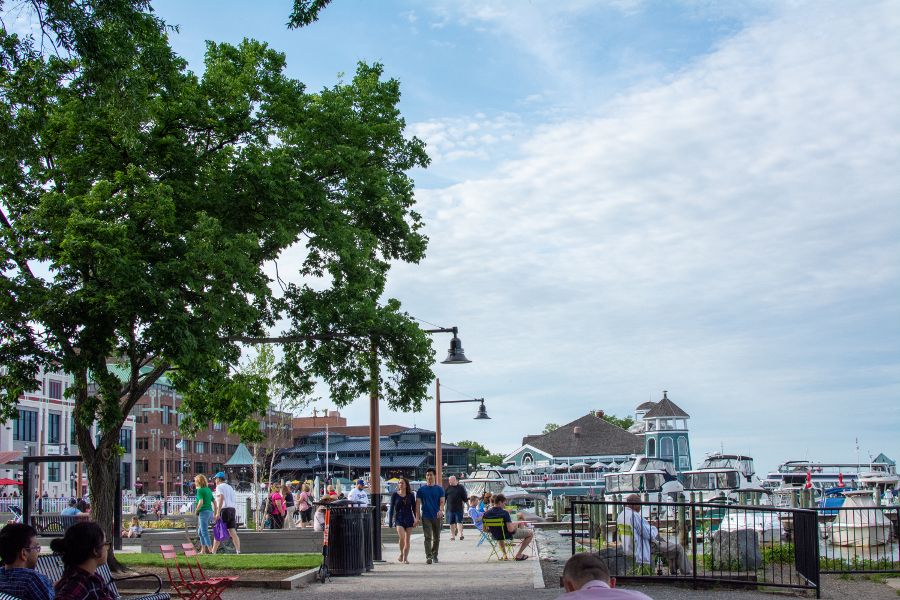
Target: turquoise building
{"x": 664, "y": 428}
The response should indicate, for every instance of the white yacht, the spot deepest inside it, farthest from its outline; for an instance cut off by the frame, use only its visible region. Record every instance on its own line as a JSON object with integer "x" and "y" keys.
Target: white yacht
{"x": 721, "y": 476}
{"x": 642, "y": 475}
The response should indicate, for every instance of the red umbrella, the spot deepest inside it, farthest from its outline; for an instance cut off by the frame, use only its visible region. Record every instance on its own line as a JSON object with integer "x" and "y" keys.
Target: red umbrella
{"x": 10, "y": 482}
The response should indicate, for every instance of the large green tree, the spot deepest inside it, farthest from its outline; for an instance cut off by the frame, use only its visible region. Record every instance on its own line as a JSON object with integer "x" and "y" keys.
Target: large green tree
{"x": 140, "y": 204}
{"x": 482, "y": 454}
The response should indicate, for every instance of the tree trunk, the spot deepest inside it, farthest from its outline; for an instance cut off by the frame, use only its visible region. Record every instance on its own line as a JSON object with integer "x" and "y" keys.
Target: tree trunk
{"x": 102, "y": 474}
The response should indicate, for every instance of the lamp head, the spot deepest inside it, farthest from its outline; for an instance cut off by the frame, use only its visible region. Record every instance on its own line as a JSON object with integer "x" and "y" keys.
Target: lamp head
{"x": 456, "y": 355}
{"x": 482, "y": 412}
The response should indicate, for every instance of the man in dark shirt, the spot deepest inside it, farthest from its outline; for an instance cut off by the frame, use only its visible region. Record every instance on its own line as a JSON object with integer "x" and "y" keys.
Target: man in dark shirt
{"x": 518, "y": 530}
{"x": 430, "y": 501}
{"x": 20, "y": 550}
{"x": 456, "y": 500}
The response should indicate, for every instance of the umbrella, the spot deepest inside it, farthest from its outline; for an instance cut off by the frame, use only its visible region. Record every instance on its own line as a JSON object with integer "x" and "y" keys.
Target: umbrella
{"x": 10, "y": 482}
{"x": 561, "y": 467}
{"x": 597, "y": 465}
{"x": 393, "y": 480}
{"x": 580, "y": 465}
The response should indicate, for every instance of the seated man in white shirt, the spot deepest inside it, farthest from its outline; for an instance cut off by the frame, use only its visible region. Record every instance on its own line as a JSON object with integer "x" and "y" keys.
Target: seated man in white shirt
{"x": 586, "y": 577}
{"x": 637, "y": 537}
{"x": 358, "y": 494}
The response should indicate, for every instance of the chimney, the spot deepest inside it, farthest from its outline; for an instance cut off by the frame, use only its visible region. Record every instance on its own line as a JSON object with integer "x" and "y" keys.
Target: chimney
{"x": 600, "y": 413}
{"x": 577, "y": 430}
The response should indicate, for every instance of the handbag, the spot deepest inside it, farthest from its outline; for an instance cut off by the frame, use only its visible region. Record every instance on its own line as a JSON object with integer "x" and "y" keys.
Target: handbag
{"x": 220, "y": 531}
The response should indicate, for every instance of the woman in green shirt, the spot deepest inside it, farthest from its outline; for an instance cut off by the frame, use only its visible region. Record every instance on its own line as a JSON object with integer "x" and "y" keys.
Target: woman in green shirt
{"x": 204, "y": 513}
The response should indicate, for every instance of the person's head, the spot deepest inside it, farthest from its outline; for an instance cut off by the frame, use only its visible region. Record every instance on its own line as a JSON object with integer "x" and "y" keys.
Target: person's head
{"x": 430, "y": 476}
{"x": 582, "y": 568}
{"x": 200, "y": 481}
{"x": 134, "y": 520}
{"x": 452, "y": 480}
{"x": 486, "y": 497}
{"x": 500, "y": 500}
{"x": 306, "y": 487}
{"x": 18, "y": 545}
{"x": 83, "y": 545}
{"x": 404, "y": 486}
{"x": 325, "y": 500}
{"x": 219, "y": 477}
{"x": 633, "y": 501}
{"x": 360, "y": 484}
{"x": 285, "y": 490}
{"x": 473, "y": 500}
{"x": 330, "y": 488}
{"x": 82, "y": 505}
{"x": 72, "y": 502}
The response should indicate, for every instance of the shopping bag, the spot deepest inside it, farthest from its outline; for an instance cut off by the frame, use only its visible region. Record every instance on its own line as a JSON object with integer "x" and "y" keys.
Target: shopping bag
{"x": 220, "y": 531}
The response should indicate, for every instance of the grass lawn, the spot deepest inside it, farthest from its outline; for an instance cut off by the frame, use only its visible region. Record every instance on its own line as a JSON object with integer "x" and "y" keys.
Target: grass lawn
{"x": 286, "y": 562}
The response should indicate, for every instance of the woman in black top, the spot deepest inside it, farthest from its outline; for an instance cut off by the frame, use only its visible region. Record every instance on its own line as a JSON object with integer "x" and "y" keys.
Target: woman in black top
{"x": 404, "y": 515}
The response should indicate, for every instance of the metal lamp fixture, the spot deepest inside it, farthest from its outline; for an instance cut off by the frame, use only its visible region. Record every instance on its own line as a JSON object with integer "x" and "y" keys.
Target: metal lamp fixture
{"x": 482, "y": 412}
{"x": 456, "y": 355}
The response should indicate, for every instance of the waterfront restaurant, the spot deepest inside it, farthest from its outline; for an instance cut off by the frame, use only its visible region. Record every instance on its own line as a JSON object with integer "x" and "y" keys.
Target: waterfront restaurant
{"x": 406, "y": 453}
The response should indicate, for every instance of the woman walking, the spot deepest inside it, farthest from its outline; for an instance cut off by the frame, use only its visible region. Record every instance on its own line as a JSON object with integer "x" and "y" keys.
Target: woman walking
{"x": 276, "y": 501}
{"x": 404, "y": 515}
{"x": 304, "y": 503}
{"x": 83, "y": 549}
{"x": 204, "y": 512}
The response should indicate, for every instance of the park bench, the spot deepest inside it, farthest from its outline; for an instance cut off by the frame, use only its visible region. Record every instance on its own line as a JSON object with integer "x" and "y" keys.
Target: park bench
{"x": 55, "y": 525}
{"x": 52, "y": 566}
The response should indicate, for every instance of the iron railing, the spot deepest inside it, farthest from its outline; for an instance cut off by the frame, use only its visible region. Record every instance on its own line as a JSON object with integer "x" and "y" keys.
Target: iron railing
{"x": 700, "y": 543}
{"x": 859, "y": 539}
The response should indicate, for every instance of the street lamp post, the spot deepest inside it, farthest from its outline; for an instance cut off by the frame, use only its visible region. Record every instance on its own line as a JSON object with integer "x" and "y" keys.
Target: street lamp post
{"x": 438, "y": 453}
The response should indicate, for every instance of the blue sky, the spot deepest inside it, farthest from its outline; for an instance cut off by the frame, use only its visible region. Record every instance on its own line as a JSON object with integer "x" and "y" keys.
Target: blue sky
{"x": 633, "y": 196}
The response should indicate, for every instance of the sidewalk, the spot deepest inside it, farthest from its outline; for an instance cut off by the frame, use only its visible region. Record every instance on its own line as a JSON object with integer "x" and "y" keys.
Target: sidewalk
{"x": 462, "y": 571}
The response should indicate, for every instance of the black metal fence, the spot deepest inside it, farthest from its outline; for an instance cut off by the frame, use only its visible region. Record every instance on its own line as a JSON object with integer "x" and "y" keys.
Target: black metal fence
{"x": 701, "y": 542}
{"x": 859, "y": 539}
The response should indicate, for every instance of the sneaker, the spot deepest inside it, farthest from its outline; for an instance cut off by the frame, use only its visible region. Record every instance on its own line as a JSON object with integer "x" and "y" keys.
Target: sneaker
{"x": 427, "y": 561}
{"x": 435, "y": 559}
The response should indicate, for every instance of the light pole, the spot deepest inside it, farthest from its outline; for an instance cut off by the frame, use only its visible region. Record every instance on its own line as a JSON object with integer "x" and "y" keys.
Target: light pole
{"x": 438, "y": 454}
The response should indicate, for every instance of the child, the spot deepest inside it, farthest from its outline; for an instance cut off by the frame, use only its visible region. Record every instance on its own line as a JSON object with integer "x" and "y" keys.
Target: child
{"x": 134, "y": 530}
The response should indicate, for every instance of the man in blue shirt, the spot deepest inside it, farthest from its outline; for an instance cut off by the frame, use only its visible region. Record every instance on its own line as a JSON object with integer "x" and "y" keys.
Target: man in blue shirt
{"x": 19, "y": 550}
{"x": 72, "y": 510}
{"x": 430, "y": 498}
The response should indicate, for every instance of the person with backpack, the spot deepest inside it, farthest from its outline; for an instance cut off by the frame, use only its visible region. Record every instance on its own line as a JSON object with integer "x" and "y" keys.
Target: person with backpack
{"x": 304, "y": 503}
{"x": 288, "y": 503}
{"x": 277, "y": 508}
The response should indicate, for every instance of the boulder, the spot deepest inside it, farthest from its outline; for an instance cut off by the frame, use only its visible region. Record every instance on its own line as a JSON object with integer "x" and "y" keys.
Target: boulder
{"x": 736, "y": 550}
{"x": 619, "y": 563}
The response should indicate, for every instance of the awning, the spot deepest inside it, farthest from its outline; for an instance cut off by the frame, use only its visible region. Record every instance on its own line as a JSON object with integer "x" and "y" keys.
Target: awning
{"x": 11, "y": 457}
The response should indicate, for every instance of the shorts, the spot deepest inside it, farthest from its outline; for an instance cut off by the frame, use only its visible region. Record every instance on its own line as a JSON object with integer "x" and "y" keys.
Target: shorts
{"x": 522, "y": 533}
{"x": 306, "y": 515}
{"x": 229, "y": 517}
{"x": 454, "y": 517}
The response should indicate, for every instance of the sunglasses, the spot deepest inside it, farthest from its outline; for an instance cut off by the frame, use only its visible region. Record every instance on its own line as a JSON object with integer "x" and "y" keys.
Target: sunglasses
{"x": 36, "y": 548}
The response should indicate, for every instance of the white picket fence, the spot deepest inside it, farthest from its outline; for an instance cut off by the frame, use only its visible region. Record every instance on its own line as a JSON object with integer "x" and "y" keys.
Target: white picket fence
{"x": 174, "y": 504}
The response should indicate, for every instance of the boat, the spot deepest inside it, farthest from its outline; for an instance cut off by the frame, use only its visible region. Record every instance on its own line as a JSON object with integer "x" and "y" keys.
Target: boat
{"x": 859, "y": 522}
{"x": 500, "y": 480}
{"x": 793, "y": 476}
{"x": 730, "y": 476}
{"x": 565, "y": 480}
{"x": 642, "y": 475}
{"x": 767, "y": 525}
{"x": 880, "y": 476}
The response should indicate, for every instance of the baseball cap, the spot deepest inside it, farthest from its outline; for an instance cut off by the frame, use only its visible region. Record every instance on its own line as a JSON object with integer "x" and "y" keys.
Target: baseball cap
{"x": 219, "y": 475}
{"x": 360, "y": 482}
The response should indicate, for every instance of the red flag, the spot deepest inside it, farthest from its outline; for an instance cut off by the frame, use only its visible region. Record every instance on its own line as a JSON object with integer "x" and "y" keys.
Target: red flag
{"x": 841, "y": 479}
{"x": 808, "y": 480}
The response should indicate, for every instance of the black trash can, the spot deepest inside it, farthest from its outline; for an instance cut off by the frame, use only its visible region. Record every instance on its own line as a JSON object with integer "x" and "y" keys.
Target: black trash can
{"x": 367, "y": 543}
{"x": 346, "y": 540}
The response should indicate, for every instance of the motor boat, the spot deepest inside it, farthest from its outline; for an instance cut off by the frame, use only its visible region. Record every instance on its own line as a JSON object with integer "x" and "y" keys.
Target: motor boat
{"x": 767, "y": 525}
{"x": 859, "y": 522}
{"x": 729, "y": 476}
{"x": 498, "y": 480}
{"x": 642, "y": 475}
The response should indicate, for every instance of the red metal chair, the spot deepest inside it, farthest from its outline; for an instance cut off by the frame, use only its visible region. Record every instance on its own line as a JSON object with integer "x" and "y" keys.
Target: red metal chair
{"x": 219, "y": 584}
{"x": 187, "y": 588}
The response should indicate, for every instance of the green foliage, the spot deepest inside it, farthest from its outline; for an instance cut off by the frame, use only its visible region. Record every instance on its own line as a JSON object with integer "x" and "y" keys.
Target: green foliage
{"x": 306, "y": 12}
{"x": 550, "y": 427}
{"x": 154, "y": 199}
{"x": 482, "y": 454}
{"x": 623, "y": 422}
{"x": 779, "y": 553}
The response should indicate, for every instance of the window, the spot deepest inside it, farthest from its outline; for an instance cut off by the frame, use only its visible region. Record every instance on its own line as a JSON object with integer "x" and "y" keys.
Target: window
{"x": 218, "y": 448}
{"x": 200, "y": 467}
{"x": 53, "y": 425}
{"x": 55, "y": 390}
{"x": 125, "y": 475}
{"x": 217, "y": 426}
{"x": 53, "y": 472}
{"x": 217, "y": 467}
{"x": 125, "y": 439}
{"x": 666, "y": 448}
{"x": 143, "y": 465}
{"x": 651, "y": 448}
{"x": 232, "y": 448}
{"x": 682, "y": 446}
{"x": 167, "y": 415}
{"x": 199, "y": 448}
{"x": 25, "y": 429}
{"x": 143, "y": 443}
{"x": 165, "y": 443}
{"x": 527, "y": 458}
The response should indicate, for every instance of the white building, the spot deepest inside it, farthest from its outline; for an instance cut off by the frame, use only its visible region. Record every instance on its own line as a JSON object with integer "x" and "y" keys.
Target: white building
{"x": 45, "y": 427}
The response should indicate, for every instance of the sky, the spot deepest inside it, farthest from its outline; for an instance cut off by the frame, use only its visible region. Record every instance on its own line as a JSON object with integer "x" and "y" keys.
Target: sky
{"x": 627, "y": 197}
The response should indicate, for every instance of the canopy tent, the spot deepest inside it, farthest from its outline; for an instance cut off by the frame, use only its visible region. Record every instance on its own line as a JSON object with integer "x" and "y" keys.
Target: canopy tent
{"x": 10, "y": 482}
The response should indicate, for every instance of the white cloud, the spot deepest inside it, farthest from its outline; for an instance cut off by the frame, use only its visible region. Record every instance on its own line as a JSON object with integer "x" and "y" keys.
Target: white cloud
{"x": 730, "y": 234}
